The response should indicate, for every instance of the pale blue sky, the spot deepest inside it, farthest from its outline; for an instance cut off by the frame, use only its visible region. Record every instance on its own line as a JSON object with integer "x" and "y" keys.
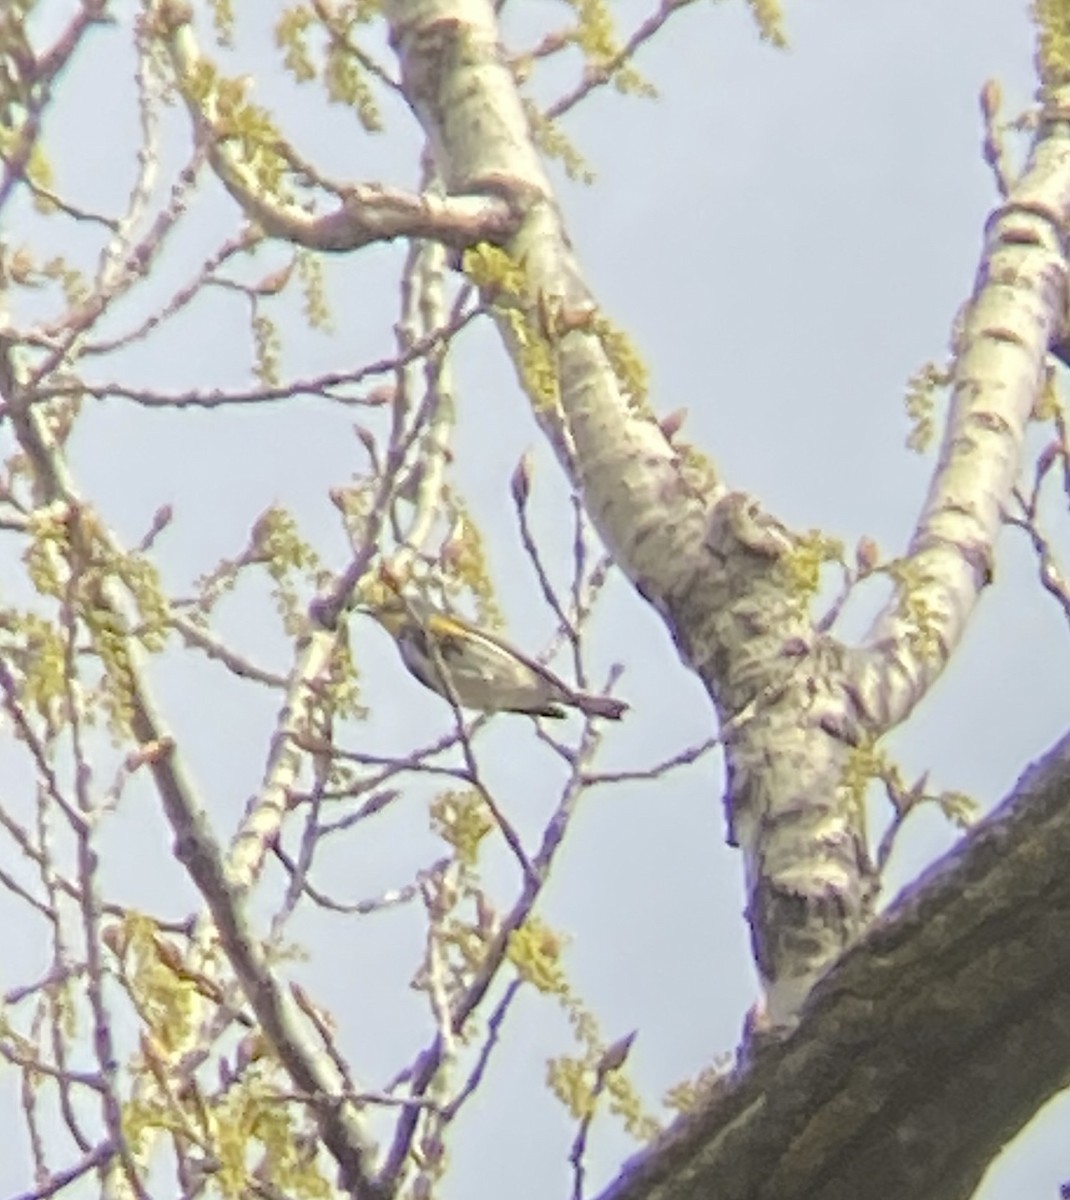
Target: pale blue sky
{"x": 787, "y": 237}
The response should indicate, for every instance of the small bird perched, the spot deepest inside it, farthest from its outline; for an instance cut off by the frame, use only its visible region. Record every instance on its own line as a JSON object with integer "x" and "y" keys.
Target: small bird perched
{"x": 484, "y": 672}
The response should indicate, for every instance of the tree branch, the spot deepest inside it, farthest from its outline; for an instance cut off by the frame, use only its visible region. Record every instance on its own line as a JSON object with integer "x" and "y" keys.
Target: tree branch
{"x": 366, "y": 213}
{"x": 712, "y": 562}
{"x": 1016, "y": 311}
{"x": 928, "y": 1046}
{"x": 724, "y": 574}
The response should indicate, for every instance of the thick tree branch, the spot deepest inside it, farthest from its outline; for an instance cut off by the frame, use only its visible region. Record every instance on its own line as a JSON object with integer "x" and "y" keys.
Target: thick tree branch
{"x": 365, "y": 213}
{"x": 1016, "y": 312}
{"x": 650, "y": 511}
{"x": 723, "y": 573}
{"x": 926, "y": 1048}
{"x": 715, "y": 566}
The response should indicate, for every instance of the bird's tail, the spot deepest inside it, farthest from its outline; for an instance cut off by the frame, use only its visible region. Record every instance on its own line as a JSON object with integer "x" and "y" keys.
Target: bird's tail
{"x": 600, "y": 706}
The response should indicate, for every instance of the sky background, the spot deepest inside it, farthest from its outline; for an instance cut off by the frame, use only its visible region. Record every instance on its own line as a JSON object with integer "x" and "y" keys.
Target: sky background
{"x": 787, "y": 238}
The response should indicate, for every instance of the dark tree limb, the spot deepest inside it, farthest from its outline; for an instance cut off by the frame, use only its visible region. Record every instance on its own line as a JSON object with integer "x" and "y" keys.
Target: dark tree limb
{"x": 928, "y": 1046}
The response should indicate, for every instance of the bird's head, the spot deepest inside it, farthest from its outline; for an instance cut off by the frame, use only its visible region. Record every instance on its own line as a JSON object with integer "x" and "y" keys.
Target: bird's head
{"x": 380, "y": 599}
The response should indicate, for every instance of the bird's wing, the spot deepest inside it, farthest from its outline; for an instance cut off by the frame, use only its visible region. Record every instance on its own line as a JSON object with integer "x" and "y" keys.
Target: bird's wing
{"x": 500, "y": 646}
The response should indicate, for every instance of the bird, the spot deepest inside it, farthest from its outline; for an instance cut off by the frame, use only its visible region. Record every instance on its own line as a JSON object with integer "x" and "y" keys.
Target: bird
{"x": 485, "y": 672}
